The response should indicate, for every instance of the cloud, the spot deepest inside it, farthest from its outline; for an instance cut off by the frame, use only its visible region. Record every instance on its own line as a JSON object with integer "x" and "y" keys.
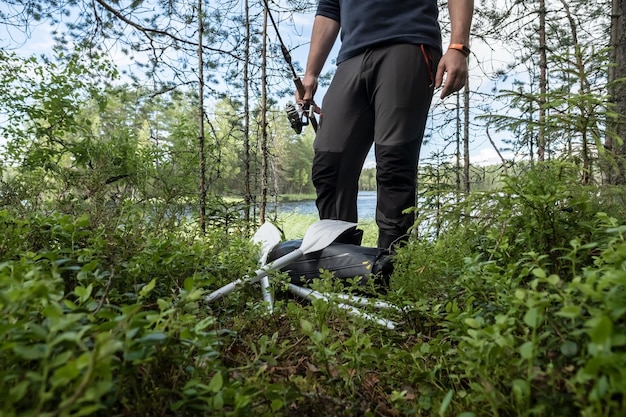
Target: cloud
{"x": 488, "y": 156}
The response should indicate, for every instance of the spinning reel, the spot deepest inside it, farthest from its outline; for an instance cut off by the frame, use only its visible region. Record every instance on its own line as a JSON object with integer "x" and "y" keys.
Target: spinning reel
{"x": 298, "y": 120}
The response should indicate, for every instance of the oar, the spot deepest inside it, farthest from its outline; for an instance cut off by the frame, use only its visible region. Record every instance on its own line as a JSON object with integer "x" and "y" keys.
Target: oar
{"x": 318, "y": 236}
{"x": 268, "y": 236}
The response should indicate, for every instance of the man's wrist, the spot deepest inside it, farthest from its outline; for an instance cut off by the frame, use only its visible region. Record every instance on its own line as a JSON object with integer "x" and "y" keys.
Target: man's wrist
{"x": 461, "y": 47}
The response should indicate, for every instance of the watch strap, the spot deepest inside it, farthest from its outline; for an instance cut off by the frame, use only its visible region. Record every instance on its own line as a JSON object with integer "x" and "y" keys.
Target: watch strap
{"x": 461, "y": 48}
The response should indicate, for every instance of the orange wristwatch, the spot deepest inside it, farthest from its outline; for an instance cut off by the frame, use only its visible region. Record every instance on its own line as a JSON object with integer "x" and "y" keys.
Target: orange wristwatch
{"x": 460, "y": 47}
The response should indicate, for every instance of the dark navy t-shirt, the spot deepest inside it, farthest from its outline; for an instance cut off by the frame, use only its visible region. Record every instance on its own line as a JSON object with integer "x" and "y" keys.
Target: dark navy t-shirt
{"x": 369, "y": 23}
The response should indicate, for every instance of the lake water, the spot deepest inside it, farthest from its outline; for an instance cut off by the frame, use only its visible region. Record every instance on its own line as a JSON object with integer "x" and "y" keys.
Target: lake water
{"x": 366, "y": 206}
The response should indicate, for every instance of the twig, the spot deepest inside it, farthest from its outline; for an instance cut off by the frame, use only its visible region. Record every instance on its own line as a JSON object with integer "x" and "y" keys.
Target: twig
{"x": 106, "y": 291}
{"x": 497, "y": 151}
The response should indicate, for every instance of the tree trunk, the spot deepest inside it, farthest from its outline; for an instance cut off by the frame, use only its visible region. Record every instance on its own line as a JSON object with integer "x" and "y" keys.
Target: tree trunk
{"x": 582, "y": 86}
{"x": 247, "y": 193}
{"x": 201, "y": 137}
{"x": 615, "y": 165}
{"x": 466, "y": 119}
{"x": 458, "y": 145}
{"x": 543, "y": 82}
{"x": 264, "y": 149}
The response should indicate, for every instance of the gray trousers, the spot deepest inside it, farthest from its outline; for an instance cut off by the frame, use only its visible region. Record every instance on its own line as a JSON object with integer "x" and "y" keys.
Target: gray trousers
{"x": 382, "y": 97}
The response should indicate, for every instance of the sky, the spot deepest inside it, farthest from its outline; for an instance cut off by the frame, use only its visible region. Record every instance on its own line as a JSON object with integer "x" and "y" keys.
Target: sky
{"x": 296, "y": 34}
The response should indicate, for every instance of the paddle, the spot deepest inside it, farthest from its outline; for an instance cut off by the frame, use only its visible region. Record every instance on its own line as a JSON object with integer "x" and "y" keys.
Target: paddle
{"x": 268, "y": 236}
{"x": 318, "y": 236}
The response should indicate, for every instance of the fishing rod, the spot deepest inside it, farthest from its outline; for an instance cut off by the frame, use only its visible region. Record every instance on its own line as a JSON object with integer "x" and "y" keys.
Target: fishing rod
{"x": 296, "y": 120}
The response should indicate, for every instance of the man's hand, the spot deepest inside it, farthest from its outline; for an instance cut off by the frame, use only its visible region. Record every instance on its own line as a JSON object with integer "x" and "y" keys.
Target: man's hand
{"x": 323, "y": 36}
{"x": 309, "y": 82}
{"x": 454, "y": 65}
{"x": 304, "y": 95}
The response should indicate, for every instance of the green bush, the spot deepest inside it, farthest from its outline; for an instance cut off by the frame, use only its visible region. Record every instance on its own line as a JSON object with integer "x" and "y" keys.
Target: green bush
{"x": 532, "y": 322}
{"x": 515, "y": 307}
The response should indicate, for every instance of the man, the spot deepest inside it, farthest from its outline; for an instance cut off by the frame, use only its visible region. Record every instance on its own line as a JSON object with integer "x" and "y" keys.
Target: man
{"x": 388, "y": 65}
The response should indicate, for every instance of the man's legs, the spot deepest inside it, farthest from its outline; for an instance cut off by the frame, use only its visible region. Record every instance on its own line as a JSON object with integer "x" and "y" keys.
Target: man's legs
{"x": 343, "y": 140}
{"x": 382, "y": 95}
{"x": 402, "y": 92}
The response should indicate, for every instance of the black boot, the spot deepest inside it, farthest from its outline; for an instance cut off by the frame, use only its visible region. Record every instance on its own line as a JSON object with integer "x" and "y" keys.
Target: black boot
{"x": 391, "y": 242}
{"x": 352, "y": 236}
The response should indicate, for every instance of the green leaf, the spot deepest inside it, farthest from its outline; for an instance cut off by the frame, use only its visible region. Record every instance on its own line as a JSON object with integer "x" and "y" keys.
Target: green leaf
{"x": 526, "y": 350}
{"x": 217, "y": 382}
{"x": 188, "y": 284}
{"x": 570, "y": 312}
{"x": 17, "y": 392}
{"x": 218, "y": 401}
{"x": 33, "y": 352}
{"x": 65, "y": 374}
{"x": 600, "y": 330}
{"x": 539, "y": 273}
{"x": 204, "y": 323}
{"x": 554, "y": 279}
{"x": 306, "y": 326}
{"x": 37, "y": 331}
{"x": 153, "y": 338}
{"x": 147, "y": 289}
{"x": 473, "y": 323}
{"x": 521, "y": 389}
{"x": 277, "y": 405}
{"x": 531, "y": 318}
{"x": 61, "y": 359}
{"x": 163, "y": 305}
{"x": 446, "y": 402}
{"x": 87, "y": 410}
{"x": 569, "y": 348}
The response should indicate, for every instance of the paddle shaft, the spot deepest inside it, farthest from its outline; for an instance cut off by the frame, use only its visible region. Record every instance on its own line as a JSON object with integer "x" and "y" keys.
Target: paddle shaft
{"x": 310, "y": 295}
{"x": 260, "y": 273}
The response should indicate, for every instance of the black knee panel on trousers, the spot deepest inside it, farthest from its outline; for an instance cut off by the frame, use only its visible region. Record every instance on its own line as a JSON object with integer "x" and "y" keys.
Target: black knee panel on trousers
{"x": 396, "y": 179}
{"x": 324, "y": 177}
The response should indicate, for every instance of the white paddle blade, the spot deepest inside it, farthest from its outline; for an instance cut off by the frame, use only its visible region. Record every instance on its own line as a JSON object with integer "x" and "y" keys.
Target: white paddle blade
{"x": 322, "y": 233}
{"x": 268, "y": 236}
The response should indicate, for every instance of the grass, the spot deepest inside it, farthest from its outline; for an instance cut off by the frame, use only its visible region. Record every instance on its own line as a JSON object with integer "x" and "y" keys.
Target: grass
{"x": 281, "y": 198}
{"x": 294, "y": 226}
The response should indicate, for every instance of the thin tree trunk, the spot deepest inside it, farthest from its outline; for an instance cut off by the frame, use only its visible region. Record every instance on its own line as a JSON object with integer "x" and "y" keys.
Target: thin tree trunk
{"x": 246, "y": 118}
{"x": 543, "y": 82}
{"x": 264, "y": 148}
{"x": 458, "y": 145}
{"x": 466, "y": 119}
{"x": 582, "y": 85}
{"x": 201, "y": 136}
{"x": 615, "y": 142}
